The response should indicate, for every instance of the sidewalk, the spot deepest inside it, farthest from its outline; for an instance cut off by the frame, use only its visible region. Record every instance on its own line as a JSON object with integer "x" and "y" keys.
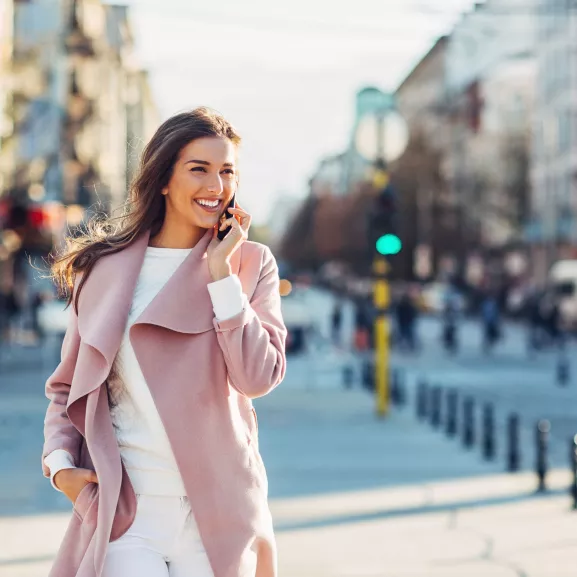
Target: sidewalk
{"x": 17, "y": 357}
{"x": 405, "y": 502}
{"x": 354, "y": 496}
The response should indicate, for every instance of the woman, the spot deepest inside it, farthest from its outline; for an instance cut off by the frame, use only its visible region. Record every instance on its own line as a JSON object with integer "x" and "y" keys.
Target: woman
{"x": 150, "y": 430}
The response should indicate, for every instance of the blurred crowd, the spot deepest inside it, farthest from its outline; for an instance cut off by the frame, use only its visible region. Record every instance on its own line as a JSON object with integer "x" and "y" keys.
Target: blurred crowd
{"x": 541, "y": 314}
{"x": 19, "y": 319}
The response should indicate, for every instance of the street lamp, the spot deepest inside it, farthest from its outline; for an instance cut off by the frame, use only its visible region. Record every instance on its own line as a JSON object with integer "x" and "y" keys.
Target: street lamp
{"x": 381, "y": 137}
{"x": 382, "y": 134}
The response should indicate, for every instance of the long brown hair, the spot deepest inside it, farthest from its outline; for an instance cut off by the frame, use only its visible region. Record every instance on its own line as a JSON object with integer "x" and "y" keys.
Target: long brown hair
{"x": 144, "y": 209}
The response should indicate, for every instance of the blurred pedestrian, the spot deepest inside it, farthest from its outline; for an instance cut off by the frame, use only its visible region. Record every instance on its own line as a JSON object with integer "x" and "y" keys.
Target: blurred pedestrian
{"x": 491, "y": 319}
{"x": 450, "y": 323}
{"x": 551, "y": 319}
{"x": 535, "y": 320}
{"x": 337, "y": 322}
{"x": 406, "y": 316}
{"x": 13, "y": 316}
{"x": 37, "y": 301}
{"x": 363, "y": 325}
{"x": 150, "y": 431}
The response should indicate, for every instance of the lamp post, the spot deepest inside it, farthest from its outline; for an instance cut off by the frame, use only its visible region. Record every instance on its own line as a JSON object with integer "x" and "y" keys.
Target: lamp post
{"x": 381, "y": 137}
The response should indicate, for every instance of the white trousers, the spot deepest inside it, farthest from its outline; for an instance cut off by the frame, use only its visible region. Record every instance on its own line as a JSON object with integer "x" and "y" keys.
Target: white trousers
{"x": 163, "y": 541}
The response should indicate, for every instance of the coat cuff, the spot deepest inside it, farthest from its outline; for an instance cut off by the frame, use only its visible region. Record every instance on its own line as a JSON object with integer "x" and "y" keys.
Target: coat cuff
{"x": 239, "y": 320}
{"x": 56, "y": 461}
{"x": 227, "y": 297}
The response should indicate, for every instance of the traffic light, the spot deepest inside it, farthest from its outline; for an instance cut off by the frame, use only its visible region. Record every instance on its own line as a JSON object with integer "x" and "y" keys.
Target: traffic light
{"x": 383, "y": 222}
{"x": 389, "y": 244}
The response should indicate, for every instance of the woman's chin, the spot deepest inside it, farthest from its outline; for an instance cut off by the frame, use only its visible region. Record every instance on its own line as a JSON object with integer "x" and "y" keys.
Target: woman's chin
{"x": 204, "y": 223}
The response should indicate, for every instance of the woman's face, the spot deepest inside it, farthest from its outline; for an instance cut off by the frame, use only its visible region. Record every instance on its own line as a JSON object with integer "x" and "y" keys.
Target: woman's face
{"x": 202, "y": 183}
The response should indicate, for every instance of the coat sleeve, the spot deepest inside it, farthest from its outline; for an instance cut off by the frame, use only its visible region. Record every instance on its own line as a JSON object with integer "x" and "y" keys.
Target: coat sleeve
{"x": 59, "y": 432}
{"x": 253, "y": 341}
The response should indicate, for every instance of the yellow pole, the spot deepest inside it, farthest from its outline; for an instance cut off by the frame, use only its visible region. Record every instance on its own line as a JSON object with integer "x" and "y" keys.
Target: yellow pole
{"x": 381, "y": 299}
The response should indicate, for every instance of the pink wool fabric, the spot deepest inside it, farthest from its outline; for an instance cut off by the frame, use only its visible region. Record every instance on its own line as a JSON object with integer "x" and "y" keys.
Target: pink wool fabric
{"x": 202, "y": 375}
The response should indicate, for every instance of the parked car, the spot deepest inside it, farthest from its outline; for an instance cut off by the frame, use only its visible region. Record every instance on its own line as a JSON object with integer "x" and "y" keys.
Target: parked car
{"x": 563, "y": 280}
{"x": 298, "y": 322}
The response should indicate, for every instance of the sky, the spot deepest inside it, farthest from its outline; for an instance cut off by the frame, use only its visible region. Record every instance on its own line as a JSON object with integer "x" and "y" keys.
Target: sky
{"x": 284, "y": 73}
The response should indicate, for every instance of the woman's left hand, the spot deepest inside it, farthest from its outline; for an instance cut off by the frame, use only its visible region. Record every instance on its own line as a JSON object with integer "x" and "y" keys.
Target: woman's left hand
{"x": 220, "y": 251}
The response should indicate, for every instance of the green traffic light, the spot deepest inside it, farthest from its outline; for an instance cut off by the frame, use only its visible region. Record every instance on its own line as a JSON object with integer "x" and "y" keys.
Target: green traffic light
{"x": 389, "y": 244}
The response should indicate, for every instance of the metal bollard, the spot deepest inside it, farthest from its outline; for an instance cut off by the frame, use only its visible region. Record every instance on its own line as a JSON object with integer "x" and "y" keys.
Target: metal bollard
{"x": 422, "y": 400}
{"x": 368, "y": 373}
{"x": 574, "y": 471}
{"x": 348, "y": 376}
{"x": 563, "y": 371}
{"x": 542, "y": 440}
{"x": 469, "y": 422}
{"x": 488, "y": 432}
{"x": 513, "y": 449}
{"x": 452, "y": 408}
{"x": 435, "y": 416}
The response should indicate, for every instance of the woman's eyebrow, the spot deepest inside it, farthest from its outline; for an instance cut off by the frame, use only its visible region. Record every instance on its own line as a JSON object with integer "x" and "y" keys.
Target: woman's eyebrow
{"x": 206, "y": 163}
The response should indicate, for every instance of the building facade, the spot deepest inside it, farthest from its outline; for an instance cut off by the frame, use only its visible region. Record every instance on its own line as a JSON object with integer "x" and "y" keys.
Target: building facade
{"x": 552, "y": 230}
{"x": 428, "y": 209}
{"x": 490, "y": 90}
{"x": 75, "y": 112}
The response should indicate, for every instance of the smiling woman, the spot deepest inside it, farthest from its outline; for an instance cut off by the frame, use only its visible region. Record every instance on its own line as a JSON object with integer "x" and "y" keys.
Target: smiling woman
{"x": 150, "y": 431}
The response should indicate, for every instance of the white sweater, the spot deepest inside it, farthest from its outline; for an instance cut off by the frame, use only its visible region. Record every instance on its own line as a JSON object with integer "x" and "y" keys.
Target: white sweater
{"x": 142, "y": 440}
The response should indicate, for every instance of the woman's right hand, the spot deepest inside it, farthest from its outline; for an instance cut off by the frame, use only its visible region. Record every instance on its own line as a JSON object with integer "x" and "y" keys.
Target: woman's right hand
{"x": 72, "y": 481}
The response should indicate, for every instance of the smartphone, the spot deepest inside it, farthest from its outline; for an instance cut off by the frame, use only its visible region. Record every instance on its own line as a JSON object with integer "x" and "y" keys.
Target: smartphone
{"x": 222, "y": 233}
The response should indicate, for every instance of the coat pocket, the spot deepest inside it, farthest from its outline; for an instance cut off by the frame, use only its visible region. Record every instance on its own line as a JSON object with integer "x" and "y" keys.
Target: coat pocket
{"x": 85, "y": 501}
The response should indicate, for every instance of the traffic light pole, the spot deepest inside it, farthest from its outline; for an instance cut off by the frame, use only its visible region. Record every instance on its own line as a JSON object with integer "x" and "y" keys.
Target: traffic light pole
{"x": 384, "y": 243}
{"x": 381, "y": 300}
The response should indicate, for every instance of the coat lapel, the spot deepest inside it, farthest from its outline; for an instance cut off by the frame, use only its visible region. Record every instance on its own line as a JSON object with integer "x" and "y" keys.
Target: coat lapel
{"x": 182, "y": 305}
{"x": 106, "y": 297}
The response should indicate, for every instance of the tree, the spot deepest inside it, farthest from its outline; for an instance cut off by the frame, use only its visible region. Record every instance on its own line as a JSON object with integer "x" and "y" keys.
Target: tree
{"x": 425, "y": 212}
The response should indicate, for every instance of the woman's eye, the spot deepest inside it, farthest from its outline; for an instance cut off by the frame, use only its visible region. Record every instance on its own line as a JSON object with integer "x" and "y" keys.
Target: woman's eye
{"x": 198, "y": 169}
{"x": 228, "y": 171}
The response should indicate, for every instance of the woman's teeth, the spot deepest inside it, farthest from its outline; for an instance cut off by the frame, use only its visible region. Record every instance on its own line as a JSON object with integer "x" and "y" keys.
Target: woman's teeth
{"x": 210, "y": 204}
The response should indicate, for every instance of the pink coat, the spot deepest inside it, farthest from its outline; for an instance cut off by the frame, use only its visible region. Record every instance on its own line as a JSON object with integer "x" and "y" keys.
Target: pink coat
{"x": 202, "y": 375}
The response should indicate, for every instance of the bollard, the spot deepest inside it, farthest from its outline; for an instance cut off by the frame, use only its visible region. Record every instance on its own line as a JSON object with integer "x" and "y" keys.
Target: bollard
{"x": 401, "y": 387}
{"x": 542, "y": 440}
{"x": 563, "y": 371}
{"x": 488, "y": 432}
{"x": 435, "y": 416}
{"x": 348, "y": 376}
{"x": 422, "y": 400}
{"x": 368, "y": 375}
{"x": 452, "y": 407}
{"x": 513, "y": 449}
{"x": 469, "y": 422}
{"x": 574, "y": 471}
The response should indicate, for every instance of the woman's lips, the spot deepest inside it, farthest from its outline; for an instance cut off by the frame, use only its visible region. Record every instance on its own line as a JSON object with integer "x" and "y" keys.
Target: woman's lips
{"x": 210, "y": 209}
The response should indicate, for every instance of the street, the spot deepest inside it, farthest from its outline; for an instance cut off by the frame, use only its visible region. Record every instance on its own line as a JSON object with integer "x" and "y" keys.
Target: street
{"x": 509, "y": 378}
{"x": 352, "y": 494}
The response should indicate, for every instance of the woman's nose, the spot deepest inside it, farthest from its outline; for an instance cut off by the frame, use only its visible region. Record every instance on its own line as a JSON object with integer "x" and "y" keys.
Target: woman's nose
{"x": 215, "y": 184}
